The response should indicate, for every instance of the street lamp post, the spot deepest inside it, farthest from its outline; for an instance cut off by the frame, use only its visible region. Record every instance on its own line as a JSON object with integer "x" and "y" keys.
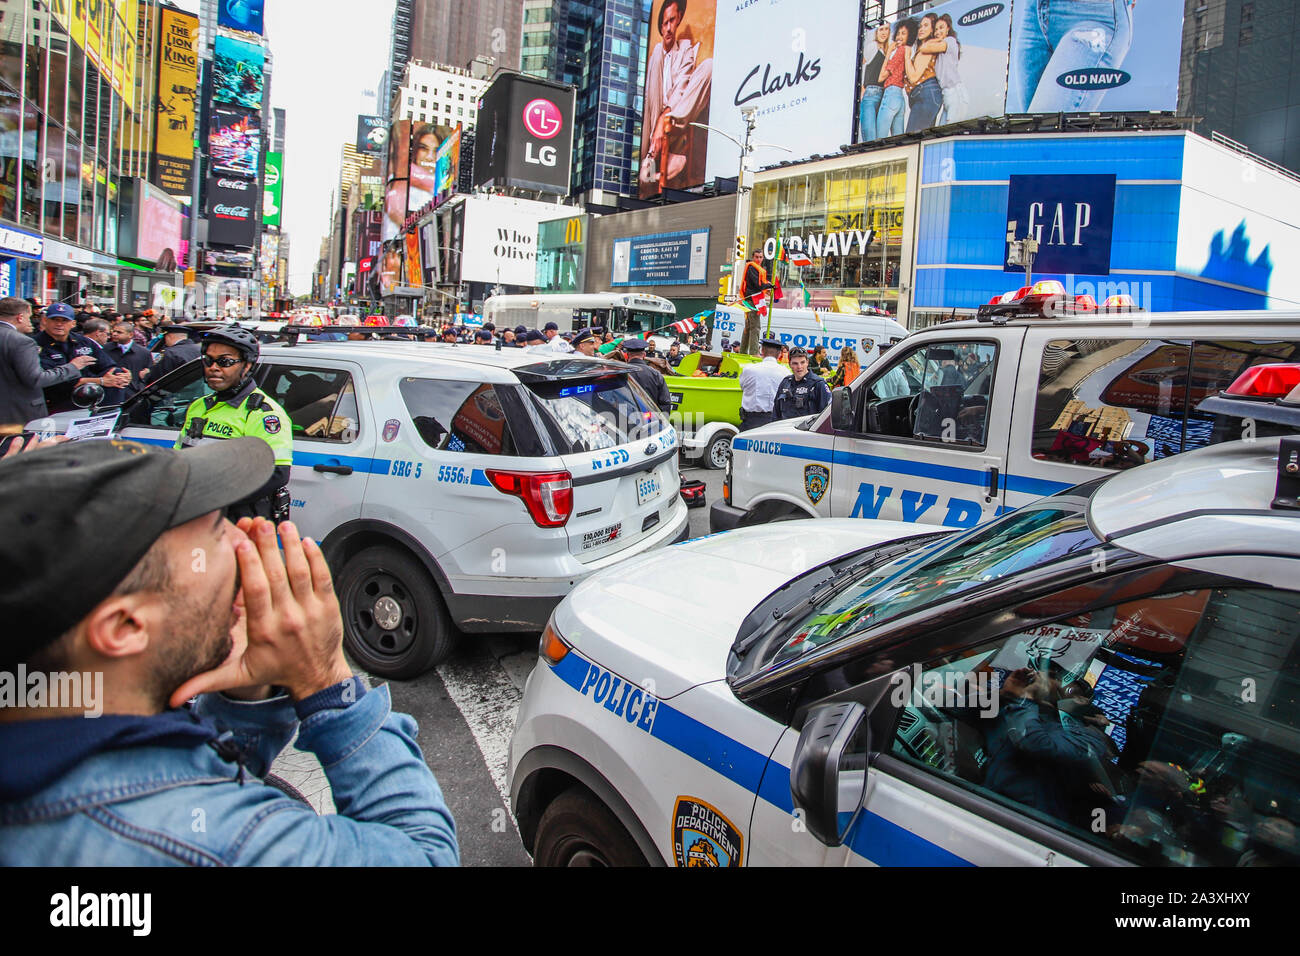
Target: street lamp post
{"x": 750, "y": 339}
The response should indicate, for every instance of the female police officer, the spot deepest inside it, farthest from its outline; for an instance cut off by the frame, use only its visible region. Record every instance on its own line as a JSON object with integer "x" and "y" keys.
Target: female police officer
{"x": 237, "y": 408}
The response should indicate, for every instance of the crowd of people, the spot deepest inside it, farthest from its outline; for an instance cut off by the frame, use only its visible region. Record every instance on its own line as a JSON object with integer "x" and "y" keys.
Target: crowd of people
{"x": 47, "y": 351}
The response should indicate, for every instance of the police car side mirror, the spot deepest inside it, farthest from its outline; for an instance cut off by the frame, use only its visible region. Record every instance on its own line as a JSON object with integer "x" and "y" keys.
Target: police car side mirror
{"x": 828, "y": 776}
{"x": 842, "y": 409}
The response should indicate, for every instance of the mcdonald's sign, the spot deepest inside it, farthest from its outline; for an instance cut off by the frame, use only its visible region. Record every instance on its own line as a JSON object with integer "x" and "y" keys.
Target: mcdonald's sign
{"x": 562, "y": 254}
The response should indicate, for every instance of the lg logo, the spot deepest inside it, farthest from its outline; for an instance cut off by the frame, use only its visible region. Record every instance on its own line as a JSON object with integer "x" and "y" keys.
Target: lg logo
{"x": 542, "y": 120}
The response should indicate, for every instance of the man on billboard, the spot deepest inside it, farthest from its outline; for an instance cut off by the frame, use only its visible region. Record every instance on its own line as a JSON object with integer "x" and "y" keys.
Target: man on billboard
{"x": 678, "y": 84}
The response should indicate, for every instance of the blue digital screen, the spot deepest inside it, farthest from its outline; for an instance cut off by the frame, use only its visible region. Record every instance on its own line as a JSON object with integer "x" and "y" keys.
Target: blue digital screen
{"x": 576, "y": 390}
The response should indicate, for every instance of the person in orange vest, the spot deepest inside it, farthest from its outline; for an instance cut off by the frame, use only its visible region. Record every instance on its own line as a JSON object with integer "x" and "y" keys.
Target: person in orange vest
{"x": 754, "y": 280}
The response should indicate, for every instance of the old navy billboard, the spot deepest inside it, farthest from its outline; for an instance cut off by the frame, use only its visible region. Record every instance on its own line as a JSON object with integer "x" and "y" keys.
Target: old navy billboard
{"x": 1071, "y": 217}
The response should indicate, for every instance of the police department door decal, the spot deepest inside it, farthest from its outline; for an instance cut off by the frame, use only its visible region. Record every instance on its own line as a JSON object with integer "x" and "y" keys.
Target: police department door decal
{"x": 704, "y": 837}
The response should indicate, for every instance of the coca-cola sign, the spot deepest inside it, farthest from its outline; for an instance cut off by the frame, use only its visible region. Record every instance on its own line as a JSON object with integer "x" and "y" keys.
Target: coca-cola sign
{"x": 232, "y": 218}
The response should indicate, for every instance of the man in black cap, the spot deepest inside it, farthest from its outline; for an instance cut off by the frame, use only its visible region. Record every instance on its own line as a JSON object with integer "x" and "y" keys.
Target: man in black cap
{"x": 648, "y": 377}
{"x": 585, "y": 342}
{"x": 758, "y": 385}
{"x": 550, "y": 330}
{"x": 59, "y": 345}
{"x": 536, "y": 341}
{"x": 178, "y": 349}
{"x": 482, "y": 337}
{"x": 801, "y": 392}
{"x": 179, "y": 602}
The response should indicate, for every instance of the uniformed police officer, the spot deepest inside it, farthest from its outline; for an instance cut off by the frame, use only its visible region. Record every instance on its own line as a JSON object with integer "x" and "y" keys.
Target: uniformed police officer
{"x": 584, "y": 341}
{"x": 60, "y": 345}
{"x": 758, "y": 386}
{"x": 802, "y": 392}
{"x": 650, "y": 378}
{"x": 237, "y": 408}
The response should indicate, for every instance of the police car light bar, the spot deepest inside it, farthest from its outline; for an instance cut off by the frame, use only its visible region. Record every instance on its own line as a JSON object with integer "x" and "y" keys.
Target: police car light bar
{"x": 1047, "y": 299}
{"x": 1267, "y": 393}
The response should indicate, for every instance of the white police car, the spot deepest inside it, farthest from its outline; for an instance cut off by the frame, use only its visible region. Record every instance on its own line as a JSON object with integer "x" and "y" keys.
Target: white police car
{"x": 966, "y": 420}
{"x": 1107, "y": 675}
{"x": 454, "y": 484}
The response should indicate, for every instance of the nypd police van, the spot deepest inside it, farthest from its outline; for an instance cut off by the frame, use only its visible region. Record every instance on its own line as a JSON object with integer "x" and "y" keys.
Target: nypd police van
{"x": 806, "y": 329}
{"x": 453, "y": 488}
{"x": 967, "y": 420}
{"x": 1060, "y": 686}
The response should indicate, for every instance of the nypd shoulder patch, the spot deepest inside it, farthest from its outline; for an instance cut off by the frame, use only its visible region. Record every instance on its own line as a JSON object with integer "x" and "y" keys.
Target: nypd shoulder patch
{"x": 272, "y": 424}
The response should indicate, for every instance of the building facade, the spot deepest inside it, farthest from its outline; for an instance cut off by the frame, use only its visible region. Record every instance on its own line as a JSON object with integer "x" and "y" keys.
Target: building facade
{"x": 442, "y": 95}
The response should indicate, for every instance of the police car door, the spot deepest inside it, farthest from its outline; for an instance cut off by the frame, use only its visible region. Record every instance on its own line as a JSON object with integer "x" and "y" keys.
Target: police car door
{"x": 929, "y": 442}
{"x": 334, "y": 438}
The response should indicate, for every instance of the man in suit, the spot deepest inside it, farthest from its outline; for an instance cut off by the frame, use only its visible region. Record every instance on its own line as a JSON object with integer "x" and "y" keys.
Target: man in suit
{"x": 125, "y": 353}
{"x": 22, "y": 379}
{"x": 678, "y": 84}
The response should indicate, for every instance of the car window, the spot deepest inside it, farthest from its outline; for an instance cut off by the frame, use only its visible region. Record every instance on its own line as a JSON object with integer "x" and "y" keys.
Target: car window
{"x": 163, "y": 403}
{"x": 459, "y": 416}
{"x": 584, "y": 415}
{"x": 320, "y": 402}
{"x": 937, "y": 392}
{"x": 1117, "y": 403}
{"x": 1166, "y": 728}
{"x": 1036, "y": 535}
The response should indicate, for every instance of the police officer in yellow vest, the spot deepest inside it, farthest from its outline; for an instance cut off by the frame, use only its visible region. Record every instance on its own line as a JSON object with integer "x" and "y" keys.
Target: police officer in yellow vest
{"x": 238, "y": 408}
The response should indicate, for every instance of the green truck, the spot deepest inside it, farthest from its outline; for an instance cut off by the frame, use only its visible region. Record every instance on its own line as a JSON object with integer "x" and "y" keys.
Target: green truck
{"x": 706, "y": 409}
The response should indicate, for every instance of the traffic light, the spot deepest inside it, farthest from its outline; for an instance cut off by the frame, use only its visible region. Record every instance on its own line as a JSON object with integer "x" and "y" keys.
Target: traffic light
{"x": 724, "y": 284}
{"x": 740, "y": 247}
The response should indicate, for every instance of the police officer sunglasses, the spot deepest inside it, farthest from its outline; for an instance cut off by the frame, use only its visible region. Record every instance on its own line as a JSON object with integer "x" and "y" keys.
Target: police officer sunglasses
{"x": 226, "y": 361}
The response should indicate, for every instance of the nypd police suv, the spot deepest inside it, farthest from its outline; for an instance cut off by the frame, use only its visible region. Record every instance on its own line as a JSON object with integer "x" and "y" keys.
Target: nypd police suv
{"x": 453, "y": 484}
{"x": 964, "y": 421}
{"x": 1060, "y": 686}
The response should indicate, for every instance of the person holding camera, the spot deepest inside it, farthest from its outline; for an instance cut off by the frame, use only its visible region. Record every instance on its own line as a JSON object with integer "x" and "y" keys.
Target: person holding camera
{"x": 253, "y": 629}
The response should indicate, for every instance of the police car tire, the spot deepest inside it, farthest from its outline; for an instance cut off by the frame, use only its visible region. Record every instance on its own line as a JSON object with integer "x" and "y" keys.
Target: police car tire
{"x": 576, "y": 829}
{"x": 434, "y": 636}
{"x": 719, "y": 450}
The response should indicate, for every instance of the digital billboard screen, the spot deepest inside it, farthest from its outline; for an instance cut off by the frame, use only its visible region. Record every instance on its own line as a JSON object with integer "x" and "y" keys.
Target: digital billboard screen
{"x": 237, "y": 69}
{"x": 235, "y": 141}
{"x": 413, "y": 149}
{"x": 243, "y": 15}
{"x": 793, "y": 62}
{"x": 447, "y": 170}
{"x": 372, "y": 135}
{"x": 678, "y": 89}
{"x": 272, "y": 189}
{"x": 524, "y": 135}
{"x": 942, "y": 66}
{"x": 232, "y": 210}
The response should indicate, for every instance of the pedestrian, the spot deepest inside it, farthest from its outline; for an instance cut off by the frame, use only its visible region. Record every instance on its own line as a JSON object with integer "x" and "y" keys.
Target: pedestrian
{"x": 256, "y": 637}
{"x": 649, "y": 378}
{"x": 536, "y": 341}
{"x": 754, "y": 279}
{"x": 97, "y": 331}
{"x": 178, "y": 350}
{"x": 238, "y": 408}
{"x": 23, "y": 379}
{"x": 675, "y": 354}
{"x": 449, "y": 335}
{"x": 758, "y": 384}
{"x": 59, "y": 345}
{"x": 820, "y": 364}
{"x": 508, "y": 339}
{"x": 482, "y": 337}
{"x": 802, "y": 392}
{"x": 126, "y": 353}
{"x": 848, "y": 369}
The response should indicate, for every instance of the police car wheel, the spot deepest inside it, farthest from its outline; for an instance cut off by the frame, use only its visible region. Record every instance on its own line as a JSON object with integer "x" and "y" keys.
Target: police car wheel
{"x": 394, "y": 622}
{"x": 719, "y": 452}
{"x": 578, "y": 830}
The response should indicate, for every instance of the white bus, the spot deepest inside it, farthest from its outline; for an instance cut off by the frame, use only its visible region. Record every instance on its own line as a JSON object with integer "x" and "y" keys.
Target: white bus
{"x": 620, "y": 313}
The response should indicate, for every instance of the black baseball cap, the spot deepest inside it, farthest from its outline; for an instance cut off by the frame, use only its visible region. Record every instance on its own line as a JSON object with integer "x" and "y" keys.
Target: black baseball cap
{"x": 550, "y": 327}
{"x": 66, "y": 545}
{"x": 483, "y": 335}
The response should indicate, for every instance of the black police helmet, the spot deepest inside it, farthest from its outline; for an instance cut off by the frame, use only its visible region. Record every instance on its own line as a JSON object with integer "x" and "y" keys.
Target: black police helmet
{"x": 87, "y": 394}
{"x": 238, "y": 338}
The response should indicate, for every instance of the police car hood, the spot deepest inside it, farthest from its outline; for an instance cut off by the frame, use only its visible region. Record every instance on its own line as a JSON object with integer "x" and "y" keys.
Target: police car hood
{"x": 671, "y": 615}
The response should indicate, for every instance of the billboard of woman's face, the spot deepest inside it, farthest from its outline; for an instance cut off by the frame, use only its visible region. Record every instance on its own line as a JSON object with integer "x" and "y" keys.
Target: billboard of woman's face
{"x": 411, "y": 185}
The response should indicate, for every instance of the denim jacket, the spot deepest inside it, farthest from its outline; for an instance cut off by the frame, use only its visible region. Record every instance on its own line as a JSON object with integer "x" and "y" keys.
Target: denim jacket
{"x": 183, "y": 788}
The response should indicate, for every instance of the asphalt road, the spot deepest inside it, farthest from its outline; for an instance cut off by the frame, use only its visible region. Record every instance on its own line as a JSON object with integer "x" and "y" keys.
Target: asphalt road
{"x": 466, "y": 710}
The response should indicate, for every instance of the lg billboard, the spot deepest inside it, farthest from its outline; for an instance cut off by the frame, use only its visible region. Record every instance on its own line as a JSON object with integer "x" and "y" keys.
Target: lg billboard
{"x": 524, "y": 136}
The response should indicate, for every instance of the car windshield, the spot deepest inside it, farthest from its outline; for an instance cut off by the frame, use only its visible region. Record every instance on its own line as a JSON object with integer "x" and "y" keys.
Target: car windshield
{"x": 1037, "y": 535}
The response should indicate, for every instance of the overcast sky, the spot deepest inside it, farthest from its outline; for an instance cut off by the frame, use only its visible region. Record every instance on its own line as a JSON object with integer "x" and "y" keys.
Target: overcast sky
{"x": 328, "y": 54}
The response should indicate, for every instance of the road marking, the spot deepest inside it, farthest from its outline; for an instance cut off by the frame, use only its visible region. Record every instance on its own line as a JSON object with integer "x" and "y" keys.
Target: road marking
{"x": 488, "y": 700}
